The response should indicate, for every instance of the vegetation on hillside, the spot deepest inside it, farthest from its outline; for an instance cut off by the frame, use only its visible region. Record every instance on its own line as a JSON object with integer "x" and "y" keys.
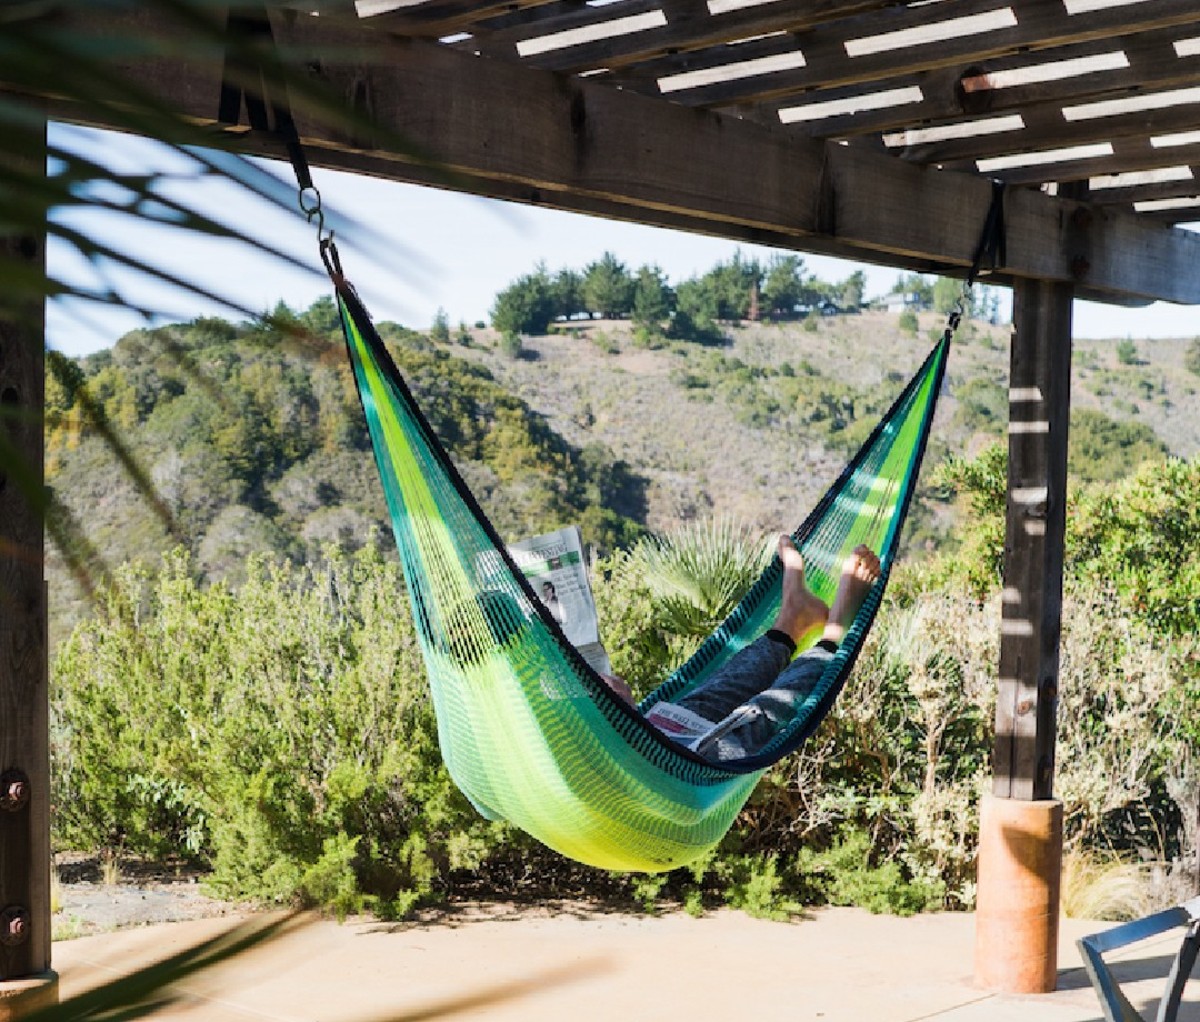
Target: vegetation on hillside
{"x": 252, "y": 441}
{"x": 739, "y": 288}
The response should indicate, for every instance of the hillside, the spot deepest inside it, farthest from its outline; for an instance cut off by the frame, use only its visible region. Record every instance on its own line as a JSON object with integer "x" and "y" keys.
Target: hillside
{"x": 757, "y": 428}
{"x": 253, "y": 439}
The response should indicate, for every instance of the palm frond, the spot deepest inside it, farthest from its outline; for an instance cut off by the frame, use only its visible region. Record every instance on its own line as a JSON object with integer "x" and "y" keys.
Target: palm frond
{"x": 47, "y": 63}
{"x": 697, "y": 573}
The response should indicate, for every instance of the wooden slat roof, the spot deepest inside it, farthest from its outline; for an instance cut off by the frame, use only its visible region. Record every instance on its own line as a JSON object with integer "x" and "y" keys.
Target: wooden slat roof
{"x": 865, "y": 129}
{"x": 1104, "y": 94}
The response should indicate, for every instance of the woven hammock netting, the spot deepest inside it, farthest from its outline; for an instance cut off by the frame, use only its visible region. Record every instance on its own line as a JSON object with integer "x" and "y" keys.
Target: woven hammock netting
{"x": 528, "y": 732}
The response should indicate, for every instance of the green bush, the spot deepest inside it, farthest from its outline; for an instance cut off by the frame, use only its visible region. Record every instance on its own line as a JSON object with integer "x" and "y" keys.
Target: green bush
{"x": 1140, "y": 536}
{"x": 850, "y": 879}
{"x": 1103, "y": 449}
{"x": 283, "y": 734}
{"x": 1127, "y": 352}
{"x": 1191, "y": 359}
{"x": 511, "y": 344}
{"x": 982, "y": 405}
{"x": 439, "y": 332}
{"x": 605, "y": 343}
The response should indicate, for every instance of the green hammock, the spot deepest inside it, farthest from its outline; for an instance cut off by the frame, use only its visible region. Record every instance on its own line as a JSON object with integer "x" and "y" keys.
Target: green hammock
{"x": 528, "y": 731}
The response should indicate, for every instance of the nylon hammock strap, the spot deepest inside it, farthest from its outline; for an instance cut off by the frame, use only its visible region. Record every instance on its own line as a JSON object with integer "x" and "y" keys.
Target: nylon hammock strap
{"x": 527, "y": 729}
{"x": 253, "y": 72}
{"x": 992, "y": 245}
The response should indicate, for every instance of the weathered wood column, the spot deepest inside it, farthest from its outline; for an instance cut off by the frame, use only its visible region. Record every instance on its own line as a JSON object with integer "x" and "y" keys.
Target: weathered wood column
{"x": 25, "y": 978}
{"x": 1020, "y": 830}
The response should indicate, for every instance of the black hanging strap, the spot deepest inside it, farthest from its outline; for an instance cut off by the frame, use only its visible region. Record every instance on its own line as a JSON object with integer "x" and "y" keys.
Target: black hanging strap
{"x": 991, "y": 239}
{"x": 250, "y": 57}
{"x": 991, "y": 246}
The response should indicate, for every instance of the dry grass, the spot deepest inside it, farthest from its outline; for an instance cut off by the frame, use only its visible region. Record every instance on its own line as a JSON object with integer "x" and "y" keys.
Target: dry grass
{"x": 56, "y": 892}
{"x": 1099, "y": 887}
{"x": 110, "y": 870}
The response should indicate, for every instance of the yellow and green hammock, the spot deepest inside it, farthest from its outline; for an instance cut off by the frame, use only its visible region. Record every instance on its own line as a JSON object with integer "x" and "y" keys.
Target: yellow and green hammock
{"x": 528, "y": 731}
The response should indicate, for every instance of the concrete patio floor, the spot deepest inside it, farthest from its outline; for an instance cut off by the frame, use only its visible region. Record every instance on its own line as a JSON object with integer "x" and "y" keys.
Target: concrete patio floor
{"x": 500, "y": 963}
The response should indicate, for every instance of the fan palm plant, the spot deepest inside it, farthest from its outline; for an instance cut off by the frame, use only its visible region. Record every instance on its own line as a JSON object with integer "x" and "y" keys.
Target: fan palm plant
{"x": 697, "y": 573}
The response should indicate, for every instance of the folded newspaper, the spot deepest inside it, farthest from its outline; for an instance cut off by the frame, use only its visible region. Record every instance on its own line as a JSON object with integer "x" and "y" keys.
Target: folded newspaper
{"x": 557, "y": 572}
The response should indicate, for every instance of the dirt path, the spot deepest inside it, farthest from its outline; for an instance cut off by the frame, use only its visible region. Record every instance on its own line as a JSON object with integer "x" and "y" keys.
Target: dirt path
{"x": 91, "y": 899}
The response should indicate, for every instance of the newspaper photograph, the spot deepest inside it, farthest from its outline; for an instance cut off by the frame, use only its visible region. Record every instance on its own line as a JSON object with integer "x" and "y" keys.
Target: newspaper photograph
{"x": 557, "y": 572}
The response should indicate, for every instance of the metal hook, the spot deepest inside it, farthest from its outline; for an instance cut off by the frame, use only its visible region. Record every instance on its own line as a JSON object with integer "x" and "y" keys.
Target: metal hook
{"x": 312, "y": 210}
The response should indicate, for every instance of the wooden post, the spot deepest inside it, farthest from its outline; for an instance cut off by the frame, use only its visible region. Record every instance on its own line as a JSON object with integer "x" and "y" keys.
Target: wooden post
{"x": 1039, "y": 408}
{"x": 1020, "y": 833}
{"x": 25, "y": 978}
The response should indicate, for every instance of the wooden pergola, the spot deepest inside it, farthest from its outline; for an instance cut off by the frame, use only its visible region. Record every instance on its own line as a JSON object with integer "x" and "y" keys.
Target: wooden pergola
{"x": 872, "y": 130}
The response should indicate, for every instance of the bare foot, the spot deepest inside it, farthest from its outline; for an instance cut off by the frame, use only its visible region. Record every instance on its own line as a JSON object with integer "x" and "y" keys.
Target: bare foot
{"x": 860, "y": 571}
{"x": 801, "y": 609}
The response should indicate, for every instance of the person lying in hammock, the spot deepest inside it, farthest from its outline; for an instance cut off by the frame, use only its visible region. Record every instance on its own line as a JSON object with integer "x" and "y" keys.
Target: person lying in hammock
{"x": 745, "y": 703}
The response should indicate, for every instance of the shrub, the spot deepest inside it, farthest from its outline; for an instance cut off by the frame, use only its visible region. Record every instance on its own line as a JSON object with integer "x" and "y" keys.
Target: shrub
{"x": 605, "y": 343}
{"x": 908, "y": 322}
{"x": 439, "y": 332}
{"x": 1104, "y": 449}
{"x": 648, "y": 337}
{"x": 982, "y": 405}
{"x": 283, "y": 734}
{"x": 510, "y": 344}
{"x": 850, "y": 879}
{"x": 1141, "y": 536}
{"x": 1191, "y": 359}
{"x": 1127, "y": 352}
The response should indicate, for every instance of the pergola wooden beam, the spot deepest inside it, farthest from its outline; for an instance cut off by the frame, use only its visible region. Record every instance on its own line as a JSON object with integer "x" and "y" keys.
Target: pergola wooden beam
{"x": 1128, "y": 155}
{"x": 574, "y": 144}
{"x": 440, "y": 17}
{"x": 24, "y": 692}
{"x": 1142, "y": 192}
{"x": 1048, "y": 127}
{"x": 686, "y": 25}
{"x": 1039, "y": 414}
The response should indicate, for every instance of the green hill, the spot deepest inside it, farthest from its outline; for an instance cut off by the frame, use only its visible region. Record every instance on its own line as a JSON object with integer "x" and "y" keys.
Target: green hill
{"x": 757, "y": 427}
{"x": 253, "y": 442}
{"x": 253, "y": 438}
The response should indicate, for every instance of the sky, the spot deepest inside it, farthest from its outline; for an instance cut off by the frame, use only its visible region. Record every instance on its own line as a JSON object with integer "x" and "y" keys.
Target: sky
{"x": 426, "y": 249}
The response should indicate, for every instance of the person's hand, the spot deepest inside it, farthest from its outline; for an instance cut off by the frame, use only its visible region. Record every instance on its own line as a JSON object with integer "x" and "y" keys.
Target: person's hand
{"x": 619, "y": 686}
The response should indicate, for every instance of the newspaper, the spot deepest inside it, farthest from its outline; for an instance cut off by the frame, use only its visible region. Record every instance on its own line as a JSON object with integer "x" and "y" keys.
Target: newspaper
{"x": 557, "y": 572}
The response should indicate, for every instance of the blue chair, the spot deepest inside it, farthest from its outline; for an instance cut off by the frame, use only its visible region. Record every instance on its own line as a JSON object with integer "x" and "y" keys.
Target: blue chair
{"x": 1116, "y": 1006}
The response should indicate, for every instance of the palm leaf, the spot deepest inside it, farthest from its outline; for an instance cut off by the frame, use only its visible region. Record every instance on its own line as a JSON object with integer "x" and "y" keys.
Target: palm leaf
{"x": 697, "y": 574}
{"x": 41, "y": 56}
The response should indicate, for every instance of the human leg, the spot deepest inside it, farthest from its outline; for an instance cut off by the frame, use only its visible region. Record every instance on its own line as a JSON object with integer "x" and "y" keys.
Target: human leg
{"x": 749, "y": 672}
{"x": 756, "y": 667}
{"x": 749, "y": 726}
